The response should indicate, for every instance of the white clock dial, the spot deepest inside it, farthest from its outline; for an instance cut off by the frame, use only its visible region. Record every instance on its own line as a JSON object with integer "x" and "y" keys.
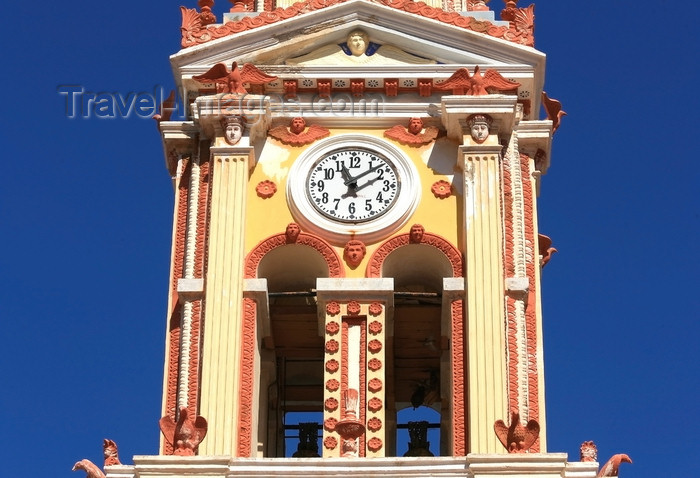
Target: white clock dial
{"x": 353, "y": 185}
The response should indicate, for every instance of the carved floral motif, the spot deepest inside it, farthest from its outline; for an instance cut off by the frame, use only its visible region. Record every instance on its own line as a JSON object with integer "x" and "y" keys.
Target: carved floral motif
{"x": 375, "y": 308}
{"x": 332, "y": 346}
{"x": 333, "y": 327}
{"x": 332, "y": 308}
{"x": 330, "y": 423}
{"x": 266, "y": 189}
{"x": 374, "y": 424}
{"x": 332, "y": 385}
{"x": 375, "y": 327}
{"x": 331, "y": 404}
{"x": 375, "y": 444}
{"x": 330, "y": 443}
{"x": 353, "y": 307}
{"x": 332, "y": 366}
{"x": 374, "y": 346}
{"x": 374, "y": 364}
{"x": 375, "y": 385}
{"x": 374, "y": 404}
{"x": 441, "y": 189}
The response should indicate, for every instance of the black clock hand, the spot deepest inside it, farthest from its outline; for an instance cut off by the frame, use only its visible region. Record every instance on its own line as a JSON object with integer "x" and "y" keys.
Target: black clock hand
{"x": 361, "y": 175}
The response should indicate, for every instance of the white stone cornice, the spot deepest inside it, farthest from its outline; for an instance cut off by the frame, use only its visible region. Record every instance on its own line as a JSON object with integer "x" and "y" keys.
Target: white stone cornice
{"x": 532, "y": 465}
{"x": 456, "y": 108}
{"x": 534, "y": 136}
{"x": 179, "y": 138}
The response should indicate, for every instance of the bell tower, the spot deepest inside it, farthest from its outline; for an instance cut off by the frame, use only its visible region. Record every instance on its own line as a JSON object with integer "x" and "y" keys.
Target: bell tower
{"x": 356, "y": 255}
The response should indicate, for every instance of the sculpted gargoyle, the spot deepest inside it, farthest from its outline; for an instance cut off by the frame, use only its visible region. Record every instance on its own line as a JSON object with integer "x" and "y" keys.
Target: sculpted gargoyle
{"x": 232, "y": 81}
{"x": 517, "y": 438}
{"x": 186, "y": 434}
{"x": 90, "y": 468}
{"x": 612, "y": 466}
{"x": 111, "y": 452}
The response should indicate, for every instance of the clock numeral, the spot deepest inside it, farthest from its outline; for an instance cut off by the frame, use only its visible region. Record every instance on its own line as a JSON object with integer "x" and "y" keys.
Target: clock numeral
{"x": 337, "y": 203}
{"x": 354, "y": 162}
{"x": 387, "y": 186}
{"x": 328, "y": 173}
{"x": 368, "y": 204}
{"x": 351, "y": 208}
{"x": 321, "y": 185}
{"x": 379, "y": 196}
{"x": 381, "y": 174}
{"x": 339, "y": 166}
{"x": 324, "y": 198}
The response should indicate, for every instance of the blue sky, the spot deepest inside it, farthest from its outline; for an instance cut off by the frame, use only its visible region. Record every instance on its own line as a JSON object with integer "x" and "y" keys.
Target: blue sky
{"x": 86, "y": 208}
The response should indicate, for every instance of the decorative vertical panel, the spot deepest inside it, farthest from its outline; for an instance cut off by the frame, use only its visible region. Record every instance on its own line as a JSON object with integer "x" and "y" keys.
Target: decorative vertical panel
{"x": 223, "y": 331}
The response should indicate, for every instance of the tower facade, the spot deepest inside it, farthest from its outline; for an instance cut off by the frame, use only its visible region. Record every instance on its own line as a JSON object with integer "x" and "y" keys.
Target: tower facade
{"x": 355, "y": 238}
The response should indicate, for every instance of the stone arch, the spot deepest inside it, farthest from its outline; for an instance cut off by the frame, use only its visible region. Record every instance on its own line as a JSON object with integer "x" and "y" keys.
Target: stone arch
{"x": 256, "y": 255}
{"x": 451, "y": 253}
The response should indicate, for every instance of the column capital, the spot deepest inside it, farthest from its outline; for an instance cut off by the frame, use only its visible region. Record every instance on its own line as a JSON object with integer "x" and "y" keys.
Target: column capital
{"x": 503, "y": 109}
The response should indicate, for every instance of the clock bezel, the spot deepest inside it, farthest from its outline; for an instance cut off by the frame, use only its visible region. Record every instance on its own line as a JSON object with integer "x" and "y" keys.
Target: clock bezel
{"x": 339, "y": 231}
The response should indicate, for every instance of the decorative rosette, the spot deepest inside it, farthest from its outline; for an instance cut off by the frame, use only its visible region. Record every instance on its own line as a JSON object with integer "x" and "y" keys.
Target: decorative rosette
{"x": 332, "y": 366}
{"x": 375, "y": 444}
{"x": 332, "y": 308}
{"x": 374, "y": 424}
{"x": 374, "y": 346}
{"x": 374, "y": 364}
{"x": 332, "y": 327}
{"x": 441, "y": 189}
{"x": 374, "y": 404}
{"x": 266, "y": 189}
{"x": 331, "y": 404}
{"x": 375, "y": 308}
{"x": 330, "y": 423}
{"x": 375, "y": 385}
{"x": 375, "y": 327}
{"x": 330, "y": 443}
{"x": 353, "y": 307}
{"x": 332, "y": 385}
{"x": 332, "y": 346}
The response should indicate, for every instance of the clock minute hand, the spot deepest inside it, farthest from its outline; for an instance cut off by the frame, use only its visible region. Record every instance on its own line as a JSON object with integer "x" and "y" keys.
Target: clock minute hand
{"x": 350, "y": 181}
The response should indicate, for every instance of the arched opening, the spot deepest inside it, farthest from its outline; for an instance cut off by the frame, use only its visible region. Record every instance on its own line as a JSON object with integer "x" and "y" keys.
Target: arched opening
{"x": 295, "y": 400}
{"x": 418, "y": 432}
{"x": 419, "y": 361}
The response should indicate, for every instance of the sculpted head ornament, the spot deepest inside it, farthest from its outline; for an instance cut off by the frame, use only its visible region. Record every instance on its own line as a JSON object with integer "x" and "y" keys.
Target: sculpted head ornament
{"x": 358, "y": 41}
{"x": 479, "y": 125}
{"x": 233, "y": 128}
{"x": 354, "y": 252}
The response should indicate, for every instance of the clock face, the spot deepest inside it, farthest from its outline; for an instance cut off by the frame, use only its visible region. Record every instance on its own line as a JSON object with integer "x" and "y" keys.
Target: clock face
{"x": 353, "y": 185}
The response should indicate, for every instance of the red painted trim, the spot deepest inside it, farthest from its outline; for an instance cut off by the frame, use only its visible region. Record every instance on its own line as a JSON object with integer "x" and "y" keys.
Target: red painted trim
{"x": 194, "y": 32}
{"x": 255, "y": 256}
{"x": 376, "y": 261}
{"x": 460, "y": 439}
{"x": 247, "y": 365}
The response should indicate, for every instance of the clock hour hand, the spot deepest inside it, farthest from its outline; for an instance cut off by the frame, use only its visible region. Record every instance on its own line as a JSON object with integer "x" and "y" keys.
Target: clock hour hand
{"x": 351, "y": 180}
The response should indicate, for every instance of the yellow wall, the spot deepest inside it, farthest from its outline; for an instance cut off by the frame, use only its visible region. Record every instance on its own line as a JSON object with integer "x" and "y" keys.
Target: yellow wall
{"x": 438, "y": 216}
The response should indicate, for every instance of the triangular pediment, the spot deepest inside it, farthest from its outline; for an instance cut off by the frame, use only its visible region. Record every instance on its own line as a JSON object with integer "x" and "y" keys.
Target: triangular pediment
{"x": 270, "y": 46}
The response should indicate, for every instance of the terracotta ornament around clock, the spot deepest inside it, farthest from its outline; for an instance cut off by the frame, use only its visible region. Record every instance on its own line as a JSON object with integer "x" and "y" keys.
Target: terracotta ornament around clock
{"x": 354, "y": 252}
{"x": 297, "y": 134}
{"x": 412, "y": 135}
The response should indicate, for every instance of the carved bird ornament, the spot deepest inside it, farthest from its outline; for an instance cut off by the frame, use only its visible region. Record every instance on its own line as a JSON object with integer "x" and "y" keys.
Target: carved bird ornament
{"x": 90, "y": 468}
{"x": 185, "y": 434}
{"x": 461, "y": 83}
{"x": 231, "y": 81}
{"x": 517, "y": 438}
